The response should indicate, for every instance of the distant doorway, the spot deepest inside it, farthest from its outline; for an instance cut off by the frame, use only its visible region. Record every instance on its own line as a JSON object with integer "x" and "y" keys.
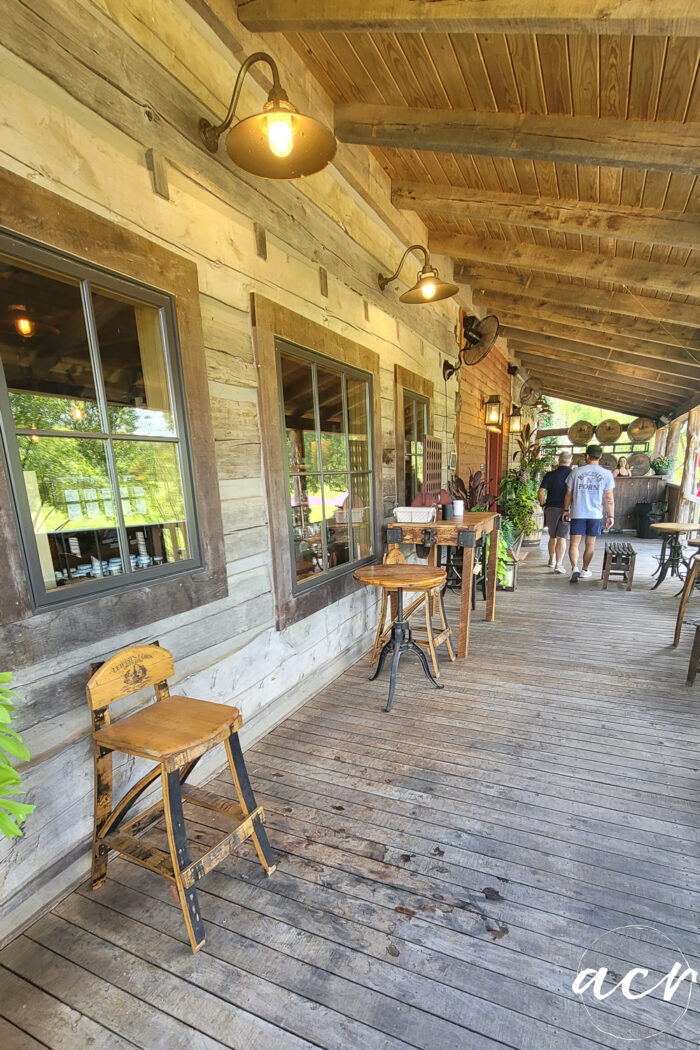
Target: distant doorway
{"x": 494, "y": 463}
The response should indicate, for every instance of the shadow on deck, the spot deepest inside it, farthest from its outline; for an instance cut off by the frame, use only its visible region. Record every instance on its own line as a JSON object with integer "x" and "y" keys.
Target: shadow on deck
{"x": 441, "y": 869}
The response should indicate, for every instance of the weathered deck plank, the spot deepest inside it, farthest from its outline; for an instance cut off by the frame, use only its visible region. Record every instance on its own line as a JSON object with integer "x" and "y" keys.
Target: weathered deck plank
{"x": 441, "y": 868}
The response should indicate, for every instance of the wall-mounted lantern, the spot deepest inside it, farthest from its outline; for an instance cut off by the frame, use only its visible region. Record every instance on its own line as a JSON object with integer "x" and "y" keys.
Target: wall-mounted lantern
{"x": 493, "y": 413}
{"x": 516, "y": 420}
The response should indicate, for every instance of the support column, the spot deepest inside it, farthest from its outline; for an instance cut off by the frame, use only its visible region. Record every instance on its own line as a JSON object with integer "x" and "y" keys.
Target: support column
{"x": 690, "y": 467}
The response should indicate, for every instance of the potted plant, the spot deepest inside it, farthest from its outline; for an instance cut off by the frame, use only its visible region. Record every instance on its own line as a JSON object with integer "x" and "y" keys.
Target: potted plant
{"x": 661, "y": 465}
{"x": 12, "y": 813}
{"x": 520, "y": 485}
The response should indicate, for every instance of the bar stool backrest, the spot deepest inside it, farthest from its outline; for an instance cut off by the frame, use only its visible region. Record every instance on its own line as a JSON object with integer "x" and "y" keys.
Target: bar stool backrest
{"x": 394, "y": 557}
{"x": 128, "y": 672}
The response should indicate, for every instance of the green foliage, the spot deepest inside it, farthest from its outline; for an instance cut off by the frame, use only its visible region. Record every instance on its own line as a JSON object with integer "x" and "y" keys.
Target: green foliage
{"x": 12, "y": 813}
{"x": 518, "y": 491}
{"x": 661, "y": 465}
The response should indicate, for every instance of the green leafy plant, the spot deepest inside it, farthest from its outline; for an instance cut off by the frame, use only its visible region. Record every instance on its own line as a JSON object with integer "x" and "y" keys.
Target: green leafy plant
{"x": 12, "y": 813}
{"x": 518, "y": 491}
{"x": 661, "y": 464}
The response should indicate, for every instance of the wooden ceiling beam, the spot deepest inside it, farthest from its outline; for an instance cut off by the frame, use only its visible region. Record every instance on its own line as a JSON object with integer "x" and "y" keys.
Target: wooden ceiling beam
{"x": 548, "y": 370}
{"x": 606, "y": 141}
{"x": 605, "y": 322}
{"x": 662, "y": 278}
{"x": 598, "y": 358}
{"x": 653, "y": 355}
{"x": 637, "y": 306}
{"x": 558, "y": 388}
{"x": 600, "y": 378}
{"x": 647, "y": 225}
{"x": 668, "y": 18}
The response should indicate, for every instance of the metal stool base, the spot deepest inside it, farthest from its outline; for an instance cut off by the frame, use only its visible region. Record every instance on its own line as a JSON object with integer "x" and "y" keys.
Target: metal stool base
{"x": 401, "y": 642}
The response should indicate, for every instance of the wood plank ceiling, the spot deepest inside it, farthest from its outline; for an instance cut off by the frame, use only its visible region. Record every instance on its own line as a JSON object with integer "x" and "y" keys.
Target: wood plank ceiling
{"x": 557, "y": 163}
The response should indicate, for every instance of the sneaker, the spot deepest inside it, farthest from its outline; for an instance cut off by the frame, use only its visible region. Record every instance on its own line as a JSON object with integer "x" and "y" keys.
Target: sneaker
{"x": 586, "y": 574}
{"x": 574, "y": 576}
{"x": 560, "y": 569}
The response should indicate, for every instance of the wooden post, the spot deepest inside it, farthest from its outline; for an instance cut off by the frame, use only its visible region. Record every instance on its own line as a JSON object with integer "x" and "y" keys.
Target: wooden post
{"x": 493, "y": 570}
{"x": 673, "y": 439}
{"x": 690, "y": 466}
{"x": 660, "y": 440}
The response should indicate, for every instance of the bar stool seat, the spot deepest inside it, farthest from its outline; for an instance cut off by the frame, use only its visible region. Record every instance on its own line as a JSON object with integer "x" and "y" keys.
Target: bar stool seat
{"x": 394, "y": 580}
{"x": 174, "y": 732}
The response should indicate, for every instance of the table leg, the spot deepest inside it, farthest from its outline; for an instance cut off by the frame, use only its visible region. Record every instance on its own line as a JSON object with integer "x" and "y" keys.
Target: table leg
{"x": 493, "y": 571}
{"x": 432, "y": 561}
{"x": 465, "y": 600}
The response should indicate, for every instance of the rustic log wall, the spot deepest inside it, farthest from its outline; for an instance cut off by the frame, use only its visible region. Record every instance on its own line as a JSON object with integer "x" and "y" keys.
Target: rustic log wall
{"x": 88, "y": 89}
{"x": 476, "y": 384}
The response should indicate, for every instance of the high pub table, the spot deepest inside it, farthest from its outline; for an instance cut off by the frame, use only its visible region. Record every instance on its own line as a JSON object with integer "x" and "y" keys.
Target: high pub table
{"x": 397, "y": 579}
{"x": 671, "y": 559}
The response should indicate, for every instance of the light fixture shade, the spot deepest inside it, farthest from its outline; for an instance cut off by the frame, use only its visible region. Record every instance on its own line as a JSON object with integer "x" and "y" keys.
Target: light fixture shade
{"x": 428, "y": 288}
{"x": 493, "y": 413}
{"x": 248, "y": 146}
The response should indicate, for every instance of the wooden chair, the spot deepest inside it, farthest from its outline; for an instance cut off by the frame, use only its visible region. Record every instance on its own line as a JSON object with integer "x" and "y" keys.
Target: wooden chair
{"x": 174, "y": 732}
{"x": 425, "y": 637}
{"x": 688, "y": 585}
{"x": 618, "y": 560}
{"x": 694, "y": 653}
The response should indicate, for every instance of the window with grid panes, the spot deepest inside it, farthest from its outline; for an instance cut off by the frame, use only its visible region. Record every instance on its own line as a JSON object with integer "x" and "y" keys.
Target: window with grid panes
{"x": 416, "y": 410}
{"x": 326, "y": 426}
{"x": 93, "y": 427}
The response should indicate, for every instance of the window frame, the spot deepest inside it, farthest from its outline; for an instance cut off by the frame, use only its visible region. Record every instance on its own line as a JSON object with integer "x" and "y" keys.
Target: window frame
{"x": 93, "y": 278}
{"x": 415, "y": 399}
{"x": 272, "y": 321}
{"x": 417, "y": 386}
{"x": 283, "y": 346}
{"x": 45, "y": 219}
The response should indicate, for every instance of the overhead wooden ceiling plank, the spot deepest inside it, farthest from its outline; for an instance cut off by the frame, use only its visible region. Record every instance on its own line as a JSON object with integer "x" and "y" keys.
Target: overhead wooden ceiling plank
{"x": 658, "y": 146}
{"x": 667, "y": 18}
{"x": 483, "y": 284}
{"x": 663, "y": 278}
{"x": 602, "y": 321}
{"x": 650, "y": 353}
{"x": 559, "y": 389}
{"x": 617, "y": 362}
{"x": 648, "y": 225}
{"x": 541, "y": 366}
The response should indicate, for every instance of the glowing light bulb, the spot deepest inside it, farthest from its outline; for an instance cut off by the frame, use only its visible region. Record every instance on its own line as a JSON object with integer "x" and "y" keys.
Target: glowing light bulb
{"x": 280, "y": 137}
{"x": 77, "y": 413}
{"x": 34, "y": 437}
{"x": 24, "y": 327}
{"x": 428, "y": 289}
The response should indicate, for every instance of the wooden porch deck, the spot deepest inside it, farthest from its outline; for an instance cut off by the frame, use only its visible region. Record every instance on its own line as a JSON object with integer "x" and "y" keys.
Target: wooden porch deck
{"x": 441, "y": 869}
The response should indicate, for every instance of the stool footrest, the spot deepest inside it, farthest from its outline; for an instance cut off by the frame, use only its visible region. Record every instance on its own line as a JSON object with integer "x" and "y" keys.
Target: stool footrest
{"x": 222, "y": 848}
{"x": 208, "y": 800}
{"x": 140, "y": 851}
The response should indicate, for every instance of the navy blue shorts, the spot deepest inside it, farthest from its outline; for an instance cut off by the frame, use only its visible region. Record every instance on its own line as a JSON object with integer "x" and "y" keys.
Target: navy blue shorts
{"x": 586, "y": 526}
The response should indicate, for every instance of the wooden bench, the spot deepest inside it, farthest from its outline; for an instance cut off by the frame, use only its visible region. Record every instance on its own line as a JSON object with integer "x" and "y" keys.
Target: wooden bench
{"x": 619, "y": 559}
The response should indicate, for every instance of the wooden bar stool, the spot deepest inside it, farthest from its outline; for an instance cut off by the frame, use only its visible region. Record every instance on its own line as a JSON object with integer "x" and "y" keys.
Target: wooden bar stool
{"x": 691, "y": 580}
{"x": 618, "y": 560}
{"x": 423, "y": 636}
{"x": 395, "y": 579}
{"x": 174, "y": 732}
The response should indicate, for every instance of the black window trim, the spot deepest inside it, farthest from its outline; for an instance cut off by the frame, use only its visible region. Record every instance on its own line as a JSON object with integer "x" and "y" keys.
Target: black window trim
{"x": 92, "y": 276}
{"x": 315, "y": 357}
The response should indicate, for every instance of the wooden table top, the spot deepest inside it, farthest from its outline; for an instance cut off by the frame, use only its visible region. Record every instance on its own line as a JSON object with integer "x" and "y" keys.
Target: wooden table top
{"x": 404, "y": 577}
{"x": 675, "y": 526}
{"x": 474, "y": 519}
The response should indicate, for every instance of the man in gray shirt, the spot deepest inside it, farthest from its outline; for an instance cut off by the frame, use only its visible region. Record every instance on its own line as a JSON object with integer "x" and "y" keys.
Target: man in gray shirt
{"x": 589, "y": 505}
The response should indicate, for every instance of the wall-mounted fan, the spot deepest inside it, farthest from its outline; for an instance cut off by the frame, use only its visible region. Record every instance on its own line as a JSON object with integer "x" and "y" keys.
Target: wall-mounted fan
{"x": 478, "y": 336}
{"x": 531, "y": 391}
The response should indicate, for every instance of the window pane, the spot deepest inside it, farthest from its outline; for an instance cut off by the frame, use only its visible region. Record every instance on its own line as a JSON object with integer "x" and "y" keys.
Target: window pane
{"x": 336, "y": 491}
{"x": 409, "y": 417}
{"x": 421, "y": 426}
{"x": 334, "y": 454}
{"x": 44, "y": 351}
{"x": 361, "y": 512}
{"x": 133, "y": 366}
{"x": 150, "y": 488}
{"x": 358, "y": 390}
{"x": 307, "y": 524}
{"x": 71, "y": 506}
{"x": 299, "y": 417}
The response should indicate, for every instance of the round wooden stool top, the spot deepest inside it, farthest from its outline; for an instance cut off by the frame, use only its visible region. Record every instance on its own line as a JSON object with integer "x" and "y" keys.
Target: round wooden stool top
{"x": 675, "y": 526}
{"x": 403, "y": 577}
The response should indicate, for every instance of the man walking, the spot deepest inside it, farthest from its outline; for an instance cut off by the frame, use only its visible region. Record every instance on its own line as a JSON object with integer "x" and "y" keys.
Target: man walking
{"x": 590, "y": 506}
{"x": 551, "y": 496}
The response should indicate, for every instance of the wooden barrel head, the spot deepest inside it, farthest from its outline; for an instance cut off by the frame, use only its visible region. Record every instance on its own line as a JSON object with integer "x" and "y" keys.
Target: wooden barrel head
{"x": 608, "y": 431}
{"x": 581, "y": 432}
{"x": 641, "y": 429}
{"x": 639, "y": 464}
{"x": 608, "y": 461}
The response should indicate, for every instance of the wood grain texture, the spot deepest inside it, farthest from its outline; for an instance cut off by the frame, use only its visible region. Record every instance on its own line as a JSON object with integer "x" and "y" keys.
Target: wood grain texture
{"x": 675, "y": 17}
{"x": 574, "y": 140}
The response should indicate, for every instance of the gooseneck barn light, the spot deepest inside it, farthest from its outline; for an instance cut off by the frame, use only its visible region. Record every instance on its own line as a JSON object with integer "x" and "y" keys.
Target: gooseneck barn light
{"x": 277, "y": 143}
{"x": 428, "y": 287}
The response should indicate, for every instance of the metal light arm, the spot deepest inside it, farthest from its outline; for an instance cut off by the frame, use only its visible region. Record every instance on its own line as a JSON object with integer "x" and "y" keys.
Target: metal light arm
{"x": 211, "y": 133}
{"x": 384, "y": 281}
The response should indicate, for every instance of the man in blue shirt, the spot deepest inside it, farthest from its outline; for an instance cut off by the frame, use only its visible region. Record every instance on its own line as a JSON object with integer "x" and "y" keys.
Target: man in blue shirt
{"x": 590, "y": 505}
{"x": 551, "y": 497}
